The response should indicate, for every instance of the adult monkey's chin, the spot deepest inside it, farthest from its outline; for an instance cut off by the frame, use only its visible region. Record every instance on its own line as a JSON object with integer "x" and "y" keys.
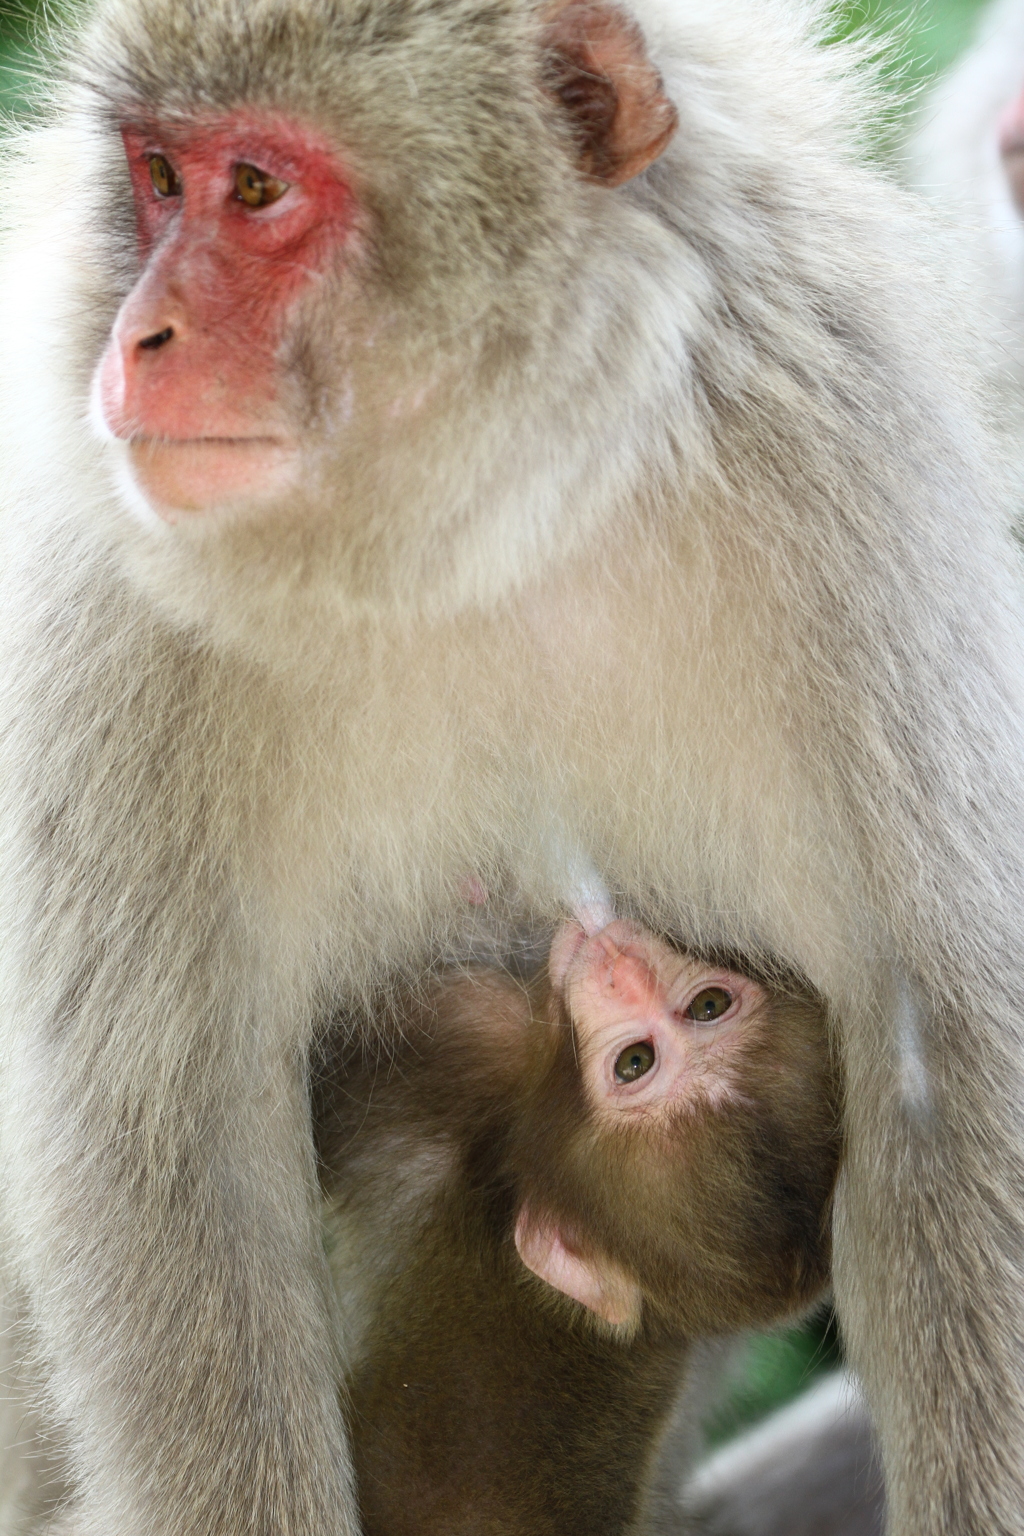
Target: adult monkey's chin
{"x": 183, "y": 478}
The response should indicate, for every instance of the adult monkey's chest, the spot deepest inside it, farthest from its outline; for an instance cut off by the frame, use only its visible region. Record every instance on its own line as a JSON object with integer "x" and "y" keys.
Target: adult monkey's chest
{"x": 597, "y": 727}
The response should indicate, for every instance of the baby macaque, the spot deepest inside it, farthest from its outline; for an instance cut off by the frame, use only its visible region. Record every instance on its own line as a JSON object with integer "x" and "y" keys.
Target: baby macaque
{"x": 543, "y": 1193}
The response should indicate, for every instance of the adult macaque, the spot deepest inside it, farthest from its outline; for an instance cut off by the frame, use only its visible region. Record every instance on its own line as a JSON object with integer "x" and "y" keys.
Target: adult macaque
{"x": 444, "y": 436}
{"x": 968, "y": 156}
{"x": 656, "y": 1138}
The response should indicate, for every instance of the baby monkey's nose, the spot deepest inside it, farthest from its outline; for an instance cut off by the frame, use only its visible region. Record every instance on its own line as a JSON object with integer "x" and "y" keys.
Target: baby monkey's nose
{"x": 631, "y": 977}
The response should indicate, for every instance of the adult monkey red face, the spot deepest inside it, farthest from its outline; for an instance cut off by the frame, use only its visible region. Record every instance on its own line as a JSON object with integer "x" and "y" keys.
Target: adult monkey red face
{"x": 190, "y": 377}
{"x": 532, "y": 507}
{"x": 248, "y": 224}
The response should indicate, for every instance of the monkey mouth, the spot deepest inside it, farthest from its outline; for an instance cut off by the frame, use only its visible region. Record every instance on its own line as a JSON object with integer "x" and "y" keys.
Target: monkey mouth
{"x": 187, "y": 476}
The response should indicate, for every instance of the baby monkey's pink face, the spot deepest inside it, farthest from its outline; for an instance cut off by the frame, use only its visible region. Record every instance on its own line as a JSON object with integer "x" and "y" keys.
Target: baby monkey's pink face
{"x": 656, "y": 1030}
{"x": 670, "y": 1052}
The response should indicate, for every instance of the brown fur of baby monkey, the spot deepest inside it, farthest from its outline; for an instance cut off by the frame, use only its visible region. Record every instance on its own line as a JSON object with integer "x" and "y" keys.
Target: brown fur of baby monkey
{"x": 481, "y": 1399}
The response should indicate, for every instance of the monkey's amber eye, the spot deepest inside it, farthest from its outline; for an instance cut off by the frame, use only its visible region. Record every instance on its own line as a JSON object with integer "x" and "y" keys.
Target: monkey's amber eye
{"x": 164, "y": 177}
{"x": 709, "y": 1005}
{"x": 635, "y": 1061}
{"x": 255, "y": 189}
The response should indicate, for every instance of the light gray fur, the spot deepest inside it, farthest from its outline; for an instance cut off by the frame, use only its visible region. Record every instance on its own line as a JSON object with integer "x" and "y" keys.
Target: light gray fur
{"x": 692, "y": 551}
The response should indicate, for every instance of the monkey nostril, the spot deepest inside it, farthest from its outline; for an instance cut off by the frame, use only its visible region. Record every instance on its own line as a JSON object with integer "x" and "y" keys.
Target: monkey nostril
{"x": 158, "y": 339}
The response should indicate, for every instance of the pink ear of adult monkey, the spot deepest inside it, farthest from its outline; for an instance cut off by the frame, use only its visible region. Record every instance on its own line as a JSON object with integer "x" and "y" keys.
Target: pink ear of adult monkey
{"x": 967, "y": 156}
{"x": 1010, "y": 129}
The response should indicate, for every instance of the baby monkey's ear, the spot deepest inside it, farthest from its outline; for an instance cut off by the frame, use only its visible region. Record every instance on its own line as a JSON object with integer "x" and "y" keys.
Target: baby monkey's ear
{"x": 613, "y": 95}
{"x": 593, "y": 1280}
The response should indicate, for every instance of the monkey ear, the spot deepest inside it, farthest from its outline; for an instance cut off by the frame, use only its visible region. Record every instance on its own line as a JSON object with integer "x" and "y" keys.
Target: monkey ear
{"x": 595, "y": 1282}
{"x": 599, "y": 70}
{"x": 1011, "y": 148}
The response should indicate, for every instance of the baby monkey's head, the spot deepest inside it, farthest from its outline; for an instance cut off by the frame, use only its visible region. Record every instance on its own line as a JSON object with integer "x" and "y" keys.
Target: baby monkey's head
{"x": 679, "y": 1137}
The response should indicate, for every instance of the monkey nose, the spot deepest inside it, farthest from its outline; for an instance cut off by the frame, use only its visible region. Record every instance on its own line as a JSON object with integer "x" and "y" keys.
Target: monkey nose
{"x": 118, "y": 375}
{"x": 129, "y": 379}
{"x": 109, "y": 387}
{"x": 633, "y": 980}
{"x": 157, "y": 339}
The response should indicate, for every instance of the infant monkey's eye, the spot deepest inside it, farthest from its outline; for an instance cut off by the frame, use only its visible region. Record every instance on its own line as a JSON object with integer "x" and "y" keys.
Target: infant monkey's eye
{"x": 635, "y": 1061}
{"x": 709, "y": 1005}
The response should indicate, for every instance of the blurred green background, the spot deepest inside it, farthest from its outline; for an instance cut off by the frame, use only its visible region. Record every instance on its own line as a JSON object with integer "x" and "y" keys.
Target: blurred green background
{"x": 922, "y": 37}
